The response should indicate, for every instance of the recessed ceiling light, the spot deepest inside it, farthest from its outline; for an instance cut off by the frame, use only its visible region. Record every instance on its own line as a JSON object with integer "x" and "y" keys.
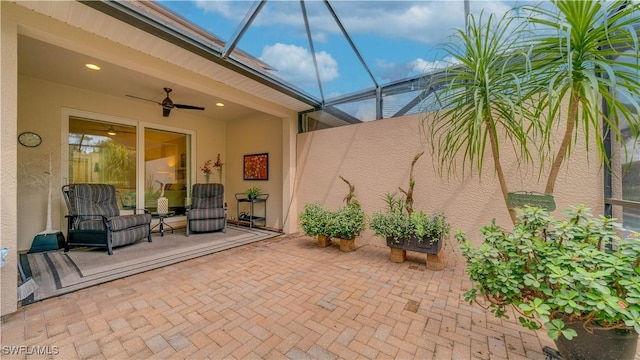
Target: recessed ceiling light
{"x": 92, "y": 66}
{"x": 220, "y": 104}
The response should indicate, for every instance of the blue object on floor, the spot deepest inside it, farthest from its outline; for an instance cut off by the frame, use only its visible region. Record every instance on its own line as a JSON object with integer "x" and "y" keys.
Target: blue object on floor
{"x": 47, "y": 242}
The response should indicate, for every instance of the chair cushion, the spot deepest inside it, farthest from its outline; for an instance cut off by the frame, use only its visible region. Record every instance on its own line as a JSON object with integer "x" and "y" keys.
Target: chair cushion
{"x": 203, "y": 214}
{"x": 93, "y": 199}
{"x": 206, "y": 196}
{"x": 128, "y": 221}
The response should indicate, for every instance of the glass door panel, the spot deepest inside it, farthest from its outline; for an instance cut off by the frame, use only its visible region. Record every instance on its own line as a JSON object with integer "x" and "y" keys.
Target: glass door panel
{"x": 166, "y": 166}
{"x": 102, "y": 152}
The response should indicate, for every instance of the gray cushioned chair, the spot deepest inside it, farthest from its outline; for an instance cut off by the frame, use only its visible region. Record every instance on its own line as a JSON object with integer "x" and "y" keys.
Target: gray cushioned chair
{"x": 208, "y": 211}
{"x": 94, "y": 218}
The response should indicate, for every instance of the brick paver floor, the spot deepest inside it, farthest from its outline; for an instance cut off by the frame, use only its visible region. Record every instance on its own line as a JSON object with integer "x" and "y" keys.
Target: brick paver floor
{"x": 283, "y": 298}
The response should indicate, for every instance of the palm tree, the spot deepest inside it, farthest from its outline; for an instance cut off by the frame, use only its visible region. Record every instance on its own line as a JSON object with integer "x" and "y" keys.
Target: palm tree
{"x": 479, "y": 98}
{"x": 586, "y": 52}
{"x": 572, "y": 51}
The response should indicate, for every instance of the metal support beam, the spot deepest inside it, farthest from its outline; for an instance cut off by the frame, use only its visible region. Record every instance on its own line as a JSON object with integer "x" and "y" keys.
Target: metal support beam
{"x": 242, "y": 28}
{"x": 313, "y": 50}
{"x": 353, "y": 46}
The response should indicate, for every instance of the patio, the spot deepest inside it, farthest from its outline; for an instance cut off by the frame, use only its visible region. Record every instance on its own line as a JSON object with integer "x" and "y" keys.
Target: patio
{"x": 280, "y": 298}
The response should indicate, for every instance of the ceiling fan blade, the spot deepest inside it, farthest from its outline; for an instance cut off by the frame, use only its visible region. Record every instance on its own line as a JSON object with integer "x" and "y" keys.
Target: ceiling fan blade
{"x": 190, "y": 107}
{"x": 139, "y": 98}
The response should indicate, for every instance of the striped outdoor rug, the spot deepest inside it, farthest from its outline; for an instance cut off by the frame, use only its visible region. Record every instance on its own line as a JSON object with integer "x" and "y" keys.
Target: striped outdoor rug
{"x": 56, "y": 272}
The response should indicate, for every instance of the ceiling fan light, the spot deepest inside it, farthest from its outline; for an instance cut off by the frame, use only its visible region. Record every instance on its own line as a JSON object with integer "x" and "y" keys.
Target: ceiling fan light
{"x": 112, "y": 133}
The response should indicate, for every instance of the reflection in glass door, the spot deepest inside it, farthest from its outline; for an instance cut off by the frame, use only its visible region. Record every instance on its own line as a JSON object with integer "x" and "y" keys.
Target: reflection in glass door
{"x": 101, "y": 152}
{"x": 165, "y": 166}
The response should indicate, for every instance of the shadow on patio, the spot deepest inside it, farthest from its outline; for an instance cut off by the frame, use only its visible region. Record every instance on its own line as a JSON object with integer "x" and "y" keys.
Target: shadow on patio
{"x": 278, "y": 298}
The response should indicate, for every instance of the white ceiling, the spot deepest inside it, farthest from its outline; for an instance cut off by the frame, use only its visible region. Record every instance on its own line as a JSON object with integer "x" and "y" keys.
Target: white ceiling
{"x": 45, "y": 61}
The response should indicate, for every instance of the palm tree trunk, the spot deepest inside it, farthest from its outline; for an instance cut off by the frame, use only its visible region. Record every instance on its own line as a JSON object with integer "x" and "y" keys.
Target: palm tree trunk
{"x": 498, "y": 168}
{"x": 566, "y": 140}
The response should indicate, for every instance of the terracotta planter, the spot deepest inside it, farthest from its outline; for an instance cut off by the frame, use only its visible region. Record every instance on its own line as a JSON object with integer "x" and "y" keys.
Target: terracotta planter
{"x": 347, "y": 245}
{"x": 324, "y": 241}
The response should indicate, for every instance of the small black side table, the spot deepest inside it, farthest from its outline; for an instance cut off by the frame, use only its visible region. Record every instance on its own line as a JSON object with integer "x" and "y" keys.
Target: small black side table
{"x": 161, "y": 222}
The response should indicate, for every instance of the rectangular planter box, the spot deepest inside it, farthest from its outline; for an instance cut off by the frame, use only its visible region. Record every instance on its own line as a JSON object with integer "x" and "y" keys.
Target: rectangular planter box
{"x": 425, "y": 246}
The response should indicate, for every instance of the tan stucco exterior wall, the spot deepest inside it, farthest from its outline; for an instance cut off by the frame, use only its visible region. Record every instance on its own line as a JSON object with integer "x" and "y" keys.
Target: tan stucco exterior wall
{"x": 376, "y": 158}
{"x": 8, "y": 132}
{"x": 256, "y": 135}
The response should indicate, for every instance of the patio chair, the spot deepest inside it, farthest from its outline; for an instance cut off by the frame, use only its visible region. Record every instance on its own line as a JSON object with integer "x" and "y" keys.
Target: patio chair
{"x": 94, "y": 218}
{"x": 208, "y": 212}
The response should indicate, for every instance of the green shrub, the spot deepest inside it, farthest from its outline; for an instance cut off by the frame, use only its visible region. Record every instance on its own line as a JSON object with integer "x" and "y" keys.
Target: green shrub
{"x": 314, "y": 220}
{"x": 347, "y": 222}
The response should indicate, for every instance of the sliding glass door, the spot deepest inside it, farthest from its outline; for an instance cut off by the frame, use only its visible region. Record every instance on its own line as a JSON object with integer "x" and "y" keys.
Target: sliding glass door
{"x": 108, "y": 153}
{"x": 165, "y": 165}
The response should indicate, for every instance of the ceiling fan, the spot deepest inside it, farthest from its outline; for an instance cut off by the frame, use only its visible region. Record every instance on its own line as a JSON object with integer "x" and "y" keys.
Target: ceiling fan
{"x": 167, "y": 104}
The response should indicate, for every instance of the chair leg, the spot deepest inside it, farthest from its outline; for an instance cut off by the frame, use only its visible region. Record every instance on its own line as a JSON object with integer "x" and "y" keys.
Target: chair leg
{"x": 187, "y": 227}
{"x": 149, "y": 232}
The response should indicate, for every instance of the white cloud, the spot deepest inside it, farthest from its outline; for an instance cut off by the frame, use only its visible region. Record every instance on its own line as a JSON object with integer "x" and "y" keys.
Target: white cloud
{"x": 421, "y": 66}
{"x": 225, "y": 8}
{"x": 392, "y": 71}
{"x": 421, "y": 21}
{"x": 295, "y": 64}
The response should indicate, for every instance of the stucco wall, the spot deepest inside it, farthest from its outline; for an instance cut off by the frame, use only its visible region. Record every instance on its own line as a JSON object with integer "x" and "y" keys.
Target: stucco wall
{"x": 256, "y": 135}
{"x": 8, "y": 193}
{"x": 376, "y": 158}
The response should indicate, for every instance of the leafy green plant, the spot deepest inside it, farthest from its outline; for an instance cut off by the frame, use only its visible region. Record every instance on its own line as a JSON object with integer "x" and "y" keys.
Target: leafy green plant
{"x": 348, "y": 222}
{"x": 314, "y": 220}
{"x": 431, "y": 227}
{"x": 550, "y": 270}
{"x": 252, "y": 192}
{"x": 401, "y": 223}
{"x": 509, "y": 81}
{"x": 395, "y": 224}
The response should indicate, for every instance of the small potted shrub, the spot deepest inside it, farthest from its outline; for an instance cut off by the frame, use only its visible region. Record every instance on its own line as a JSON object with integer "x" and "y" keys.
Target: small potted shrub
{"x": 346, "y": 224}
{"x": 577, "y": 277}
{"x": 314, "y": 221}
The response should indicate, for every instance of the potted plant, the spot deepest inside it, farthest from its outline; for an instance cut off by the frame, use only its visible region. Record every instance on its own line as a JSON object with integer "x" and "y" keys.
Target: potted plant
{"x": 405, "y": 229}
{"x": 409, "y": 230}
{"x": 252, "y": 193}
{"x": 314, "y": 221}
{"x": 346, "y": 224}
{"x": 349, "y": 221}
{"x": 577, "y": 277}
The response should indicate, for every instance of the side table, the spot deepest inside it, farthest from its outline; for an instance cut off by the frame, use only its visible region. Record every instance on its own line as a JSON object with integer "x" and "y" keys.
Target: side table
{"x": 161, "y": 222}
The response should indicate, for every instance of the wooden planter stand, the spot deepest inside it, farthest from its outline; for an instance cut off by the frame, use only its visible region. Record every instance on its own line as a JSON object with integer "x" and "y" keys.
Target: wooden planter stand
{"x": 435, "y": 255}
{"x": 324, "y": 241}
{"x": 347, "y": 245}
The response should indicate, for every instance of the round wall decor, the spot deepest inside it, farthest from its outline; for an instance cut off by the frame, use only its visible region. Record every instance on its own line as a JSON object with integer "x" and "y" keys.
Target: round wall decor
{"x": 29, "y": 139}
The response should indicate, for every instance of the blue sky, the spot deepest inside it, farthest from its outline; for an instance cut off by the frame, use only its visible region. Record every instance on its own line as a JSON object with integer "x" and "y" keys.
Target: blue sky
{"x": 397, "y": 39}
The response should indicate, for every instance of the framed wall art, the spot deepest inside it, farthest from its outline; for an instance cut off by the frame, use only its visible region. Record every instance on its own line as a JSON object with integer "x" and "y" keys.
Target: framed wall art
{"x": 256, "y": 167}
